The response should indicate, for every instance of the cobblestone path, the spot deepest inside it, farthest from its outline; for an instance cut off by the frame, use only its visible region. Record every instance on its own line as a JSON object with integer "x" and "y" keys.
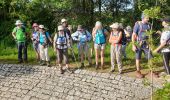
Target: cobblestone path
{"x": 26, "y": 82}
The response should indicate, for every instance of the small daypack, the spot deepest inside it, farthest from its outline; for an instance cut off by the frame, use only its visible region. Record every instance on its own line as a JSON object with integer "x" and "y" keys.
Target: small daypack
{"x": 100, "y": 38}
{"x": 124, "y": 38}
{"x": 61, "y": 40}
{"x": 83, "y": 37}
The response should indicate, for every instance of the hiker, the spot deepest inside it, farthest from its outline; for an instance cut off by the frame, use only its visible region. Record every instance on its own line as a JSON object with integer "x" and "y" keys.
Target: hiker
{"x": 139, "y": 36}
{"x": 116, "y": 46}
{"x": 99, "y": 37}
{"x": 83, "y": 37}
{"x": 61, "y": 42}
{"x": 35, "y": 40}
{"x": 64, "y": 23}
{"x": 164, "y": 46}
{"x": 44, "y": 40}
{"x": 20, "y": 35}
{"x": 123, "y": 40}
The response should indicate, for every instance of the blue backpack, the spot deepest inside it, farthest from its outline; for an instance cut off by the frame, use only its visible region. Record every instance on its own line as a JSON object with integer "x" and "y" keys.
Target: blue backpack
{"x": 100, "y": 37}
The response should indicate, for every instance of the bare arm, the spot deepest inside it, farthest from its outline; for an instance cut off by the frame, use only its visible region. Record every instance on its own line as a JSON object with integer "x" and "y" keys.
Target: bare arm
{"x": 160, "y": 47}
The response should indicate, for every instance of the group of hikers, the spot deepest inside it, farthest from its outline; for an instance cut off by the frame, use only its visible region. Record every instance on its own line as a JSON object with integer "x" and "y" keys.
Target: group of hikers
{"x": 118, "y": 38}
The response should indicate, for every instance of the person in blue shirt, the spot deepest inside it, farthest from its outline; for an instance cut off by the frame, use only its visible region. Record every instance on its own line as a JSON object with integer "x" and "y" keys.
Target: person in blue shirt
{"x": 139, "y": 36}
{"x": 99, "y": 37}
{"x": 83, "y": 38}
{"x": 44, "y": 40}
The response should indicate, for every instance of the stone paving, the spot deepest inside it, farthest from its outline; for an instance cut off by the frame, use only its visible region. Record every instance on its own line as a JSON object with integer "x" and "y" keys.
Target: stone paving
{"x": 26, "y": 82}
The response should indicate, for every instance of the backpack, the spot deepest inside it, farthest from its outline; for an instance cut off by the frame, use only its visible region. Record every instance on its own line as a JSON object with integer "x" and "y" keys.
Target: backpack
{"x": 124, "y": 38}
{"x": 140, "y": 36}
{"x": 61, "y": 40}
{"x": 46, "y": 41}
{"x": 100, "y": 38}
{"x": 83, "y": 37}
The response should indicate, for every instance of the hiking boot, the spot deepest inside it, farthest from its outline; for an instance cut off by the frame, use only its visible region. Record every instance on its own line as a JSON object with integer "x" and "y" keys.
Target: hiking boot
{"x": 19, "y": 62}
{"x": 25, "y": 61}
{"x": 90, "y": 64}
{"x": 82, "y": 65}
{"x": 96, "y": 67}
{"x": 48, "y": 64}
{"x": 61, "y": 71}
{"x": 111, "y": 71}
{"x": 120, "y": 72}
{"x": 139, "y": 75}
{"x": 42, "y": 63}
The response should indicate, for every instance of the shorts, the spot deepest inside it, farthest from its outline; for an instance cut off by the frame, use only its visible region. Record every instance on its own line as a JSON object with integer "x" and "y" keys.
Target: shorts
{"x": 148, "y": 54}
{"x": 99, "y": 46}
{"x": 62, "y": 54}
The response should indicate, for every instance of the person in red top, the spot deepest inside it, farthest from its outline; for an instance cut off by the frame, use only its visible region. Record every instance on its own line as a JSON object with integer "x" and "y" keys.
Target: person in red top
{"x": 116, "y": 47}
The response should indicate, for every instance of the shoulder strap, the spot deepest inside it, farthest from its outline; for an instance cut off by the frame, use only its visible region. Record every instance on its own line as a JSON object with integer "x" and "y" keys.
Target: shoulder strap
{"x": 140, "y": 26}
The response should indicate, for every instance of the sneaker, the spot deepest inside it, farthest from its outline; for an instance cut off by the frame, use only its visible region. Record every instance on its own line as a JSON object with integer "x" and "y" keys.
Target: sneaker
{"x": 48, "y": 64}
{"x": 139, "y": 75}
{"x": 111, "y": 71}
{"x": 61, "y": 71}
{"x": 96, "y": 67}
{"x": 42, "y": 63}
{"x": 82, "y": 65}
{"x": 102, "y": 67}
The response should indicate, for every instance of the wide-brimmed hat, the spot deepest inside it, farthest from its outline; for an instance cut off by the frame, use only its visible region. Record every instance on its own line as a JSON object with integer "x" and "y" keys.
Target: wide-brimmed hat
{"x": 41, "y": 27}
{"x": 98, "y": 23}
{"x": 80, "y": 27}
{"x": 115, "y": 25}
{"x": 60, "y": 28}
{"x": 34, "y": 25}
{"x": 18, "y": 22}
{"x": 63, "y": 20}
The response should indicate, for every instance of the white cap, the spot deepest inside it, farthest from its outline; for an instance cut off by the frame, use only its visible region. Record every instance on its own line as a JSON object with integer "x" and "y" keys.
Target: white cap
{"x": 98, "y": 23}
{"x": 115, "y": 25}
{"x": 41, "y": 26}
{"x": 60, "y": 27}
{"x": 63, "y": 20}
{"x": 18, "y": 22}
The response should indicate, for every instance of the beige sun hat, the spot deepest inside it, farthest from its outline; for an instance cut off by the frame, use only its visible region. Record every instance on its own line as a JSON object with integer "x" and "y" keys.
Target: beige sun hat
{"x": 63, "y": 20}
{"x": 115, "y": 25}
{"x": 41, "y": 26}
{"x": 18, "y": 22}
{"x": 60, "y": 27}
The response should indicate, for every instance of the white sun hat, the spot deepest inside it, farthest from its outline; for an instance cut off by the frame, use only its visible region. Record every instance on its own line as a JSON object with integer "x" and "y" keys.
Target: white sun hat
{"x": 115, "y": 25}
{"x": 98, "y": 23}
{"x": 63, "y": 20}
{"x": 41, "y": 26}
{"x": 18, "y": 22}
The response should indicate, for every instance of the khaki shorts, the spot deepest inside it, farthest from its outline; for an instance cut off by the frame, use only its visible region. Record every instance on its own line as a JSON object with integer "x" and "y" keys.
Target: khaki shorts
{"x": 99, "y": 46}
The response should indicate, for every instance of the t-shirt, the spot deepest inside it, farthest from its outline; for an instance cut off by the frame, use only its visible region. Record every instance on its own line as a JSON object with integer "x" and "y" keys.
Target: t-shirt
{"x": 164, "y": 37}
{"x": 43, "y": 38}
{"x": 141, "y": 32}
{"x": 20, "y": 34}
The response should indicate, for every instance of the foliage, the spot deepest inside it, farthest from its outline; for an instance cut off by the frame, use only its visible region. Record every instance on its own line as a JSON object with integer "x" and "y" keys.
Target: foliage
{"x": 163, "y": 94}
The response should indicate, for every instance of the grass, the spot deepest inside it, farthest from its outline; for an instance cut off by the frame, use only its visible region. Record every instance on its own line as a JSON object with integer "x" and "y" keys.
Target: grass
{"x": 9, "y": 55}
